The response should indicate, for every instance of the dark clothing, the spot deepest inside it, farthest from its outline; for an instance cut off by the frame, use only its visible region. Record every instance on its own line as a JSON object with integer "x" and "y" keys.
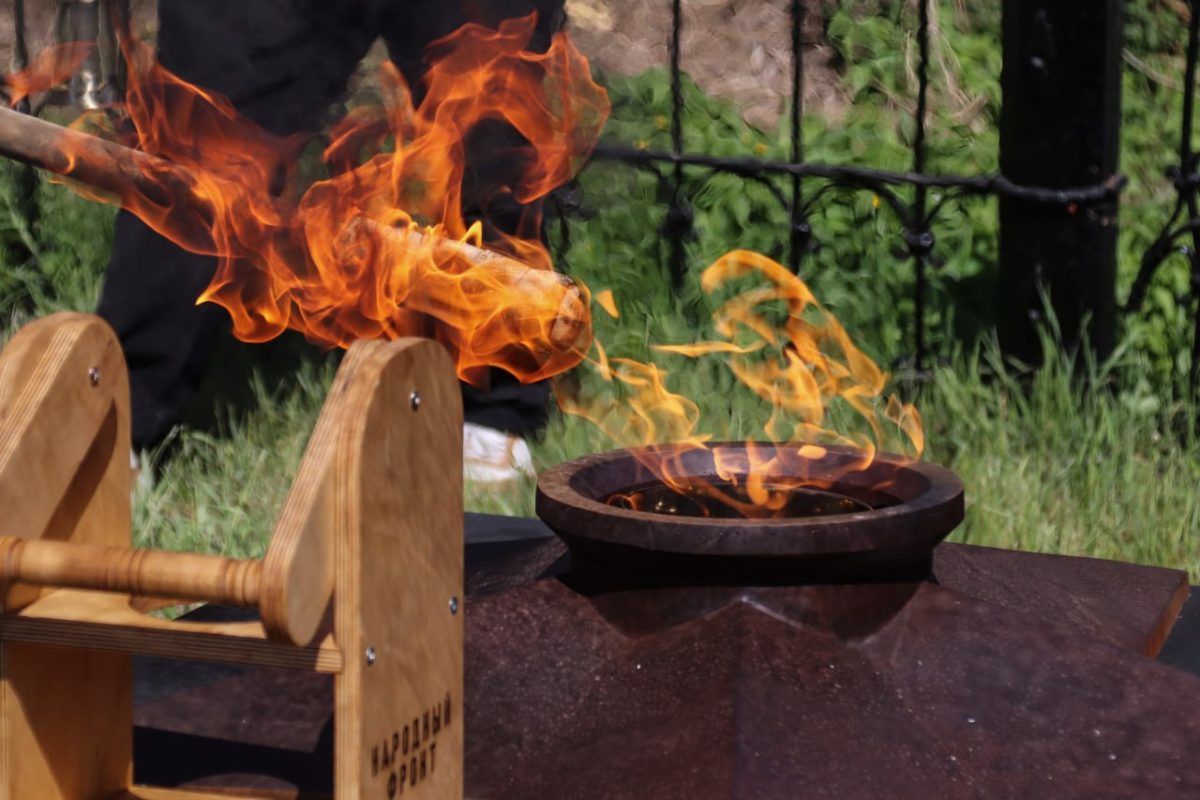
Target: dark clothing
{"x": 283, "y": 63}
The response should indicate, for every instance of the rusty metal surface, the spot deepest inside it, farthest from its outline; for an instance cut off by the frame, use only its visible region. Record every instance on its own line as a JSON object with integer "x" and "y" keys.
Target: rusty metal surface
{"x": 219, "y": 735}
{"x": 719, "y": 691}
{"x": 1132, "y": 607}
{"x": 267, "y": 707}
{"x": 496, "y": 567}
{"x": 217, "y": 725}
{"x": 1128, "y": 605}
{"x": 784, "y": 685}
{"x": 768, "y": 693}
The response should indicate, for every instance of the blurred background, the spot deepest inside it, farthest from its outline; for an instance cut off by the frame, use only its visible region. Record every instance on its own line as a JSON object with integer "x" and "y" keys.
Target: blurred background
{"x": 1065, "y": 445}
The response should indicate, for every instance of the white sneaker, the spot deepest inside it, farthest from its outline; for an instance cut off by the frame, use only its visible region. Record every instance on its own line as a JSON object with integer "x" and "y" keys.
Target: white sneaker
{"x": 143, "y": 479}
{"x": 492, "y": 456}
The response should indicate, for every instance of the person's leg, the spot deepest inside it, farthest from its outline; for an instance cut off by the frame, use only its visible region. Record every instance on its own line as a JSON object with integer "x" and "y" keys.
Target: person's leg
{"x": 493, "y": 162}
{"x": 149, "y": 299}
{"x": 282, "y": 63}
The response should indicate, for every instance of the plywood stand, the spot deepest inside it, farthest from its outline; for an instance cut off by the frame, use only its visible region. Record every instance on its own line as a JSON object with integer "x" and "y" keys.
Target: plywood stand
{"x": 362, "y": 577}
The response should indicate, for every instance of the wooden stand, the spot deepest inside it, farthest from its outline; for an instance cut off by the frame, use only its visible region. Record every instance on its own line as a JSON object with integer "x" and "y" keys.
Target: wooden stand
{"x": 362, "y": 579}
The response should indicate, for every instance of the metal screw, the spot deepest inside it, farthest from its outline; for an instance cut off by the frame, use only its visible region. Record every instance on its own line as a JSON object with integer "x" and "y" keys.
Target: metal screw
{"x": 94, "y": 376}
{"x": 454, "y": 604}
{"x": 414, "y": 400}
{"x": 370, "y": 656}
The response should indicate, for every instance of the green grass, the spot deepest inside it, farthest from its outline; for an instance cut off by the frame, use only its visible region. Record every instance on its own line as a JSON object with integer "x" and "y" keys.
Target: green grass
{"x": 1056, "y": 462}
{"x": 1075, "y": 458}
{"x": 220, "y": 491}
{"x": 1059, "y": 460}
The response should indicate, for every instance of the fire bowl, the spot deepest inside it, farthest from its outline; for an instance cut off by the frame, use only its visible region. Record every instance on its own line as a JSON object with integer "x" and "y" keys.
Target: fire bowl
{"x": 841, "y": 523}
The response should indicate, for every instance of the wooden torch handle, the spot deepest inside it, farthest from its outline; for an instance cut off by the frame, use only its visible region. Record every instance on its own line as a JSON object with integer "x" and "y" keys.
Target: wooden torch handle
{"x": 116, "y": 169}
{"x": 91, "y": 160}
{"x": 152, "y": 573}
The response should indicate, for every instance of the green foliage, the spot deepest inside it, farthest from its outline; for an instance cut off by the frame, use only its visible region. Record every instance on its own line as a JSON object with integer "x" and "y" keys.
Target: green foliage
{"x": 1155, "y": 26}
{"x": 859, "y": 269}
{"x": 220, "y": 492}
{"x": 1078, "y": 457}
{"x": 54, "y": 261}
{"x": 74, "y": 255}
{"x": 1150, "y": 137}
{"x": 1075, "y": 458}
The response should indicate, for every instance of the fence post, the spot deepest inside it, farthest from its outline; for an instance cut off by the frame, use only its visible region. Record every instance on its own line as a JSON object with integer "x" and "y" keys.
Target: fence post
{"x": 1059, "y": 129}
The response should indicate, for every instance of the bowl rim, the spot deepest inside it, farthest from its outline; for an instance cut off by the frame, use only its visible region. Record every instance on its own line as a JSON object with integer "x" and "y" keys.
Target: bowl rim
{"x": 918, "y": 519}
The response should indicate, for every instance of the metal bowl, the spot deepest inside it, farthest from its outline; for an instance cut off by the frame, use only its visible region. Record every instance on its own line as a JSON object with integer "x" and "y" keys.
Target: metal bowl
{"x": 900, "y": 510}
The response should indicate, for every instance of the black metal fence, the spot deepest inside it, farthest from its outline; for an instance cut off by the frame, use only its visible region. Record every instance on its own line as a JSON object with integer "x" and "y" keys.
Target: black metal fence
{"x": 1182, "y": 230}
{"x": 1058, "y": 186}
{"x": 1058, "y": 193}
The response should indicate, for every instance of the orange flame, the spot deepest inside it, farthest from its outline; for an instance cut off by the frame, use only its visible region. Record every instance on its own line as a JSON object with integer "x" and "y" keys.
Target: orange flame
{"x": 50, "y": 67}
{"x": 799, "y": 366}
{"x": 381, "y": 249}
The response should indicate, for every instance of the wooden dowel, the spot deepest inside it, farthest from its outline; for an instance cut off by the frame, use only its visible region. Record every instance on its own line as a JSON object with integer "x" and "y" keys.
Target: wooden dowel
{"x": 91, "y": 160}
{"x": 117, "y": 170}
{"x": 543, "y": 293}
{"x": 153, "y": 573}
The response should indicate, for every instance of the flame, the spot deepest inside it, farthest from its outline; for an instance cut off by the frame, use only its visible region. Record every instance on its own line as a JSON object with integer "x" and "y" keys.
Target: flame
{"x": 605, "y": 300}
{"x": 381, "y": 248}
{"x": 789, "y": 351}
{"x": 50, "y": 67}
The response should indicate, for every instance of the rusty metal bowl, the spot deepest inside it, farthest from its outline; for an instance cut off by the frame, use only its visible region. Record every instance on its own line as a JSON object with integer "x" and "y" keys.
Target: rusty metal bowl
{"x": 896, "y": 511}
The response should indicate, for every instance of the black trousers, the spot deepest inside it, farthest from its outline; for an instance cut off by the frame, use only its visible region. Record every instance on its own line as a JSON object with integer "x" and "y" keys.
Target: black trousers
{"x": 283, "y": 63}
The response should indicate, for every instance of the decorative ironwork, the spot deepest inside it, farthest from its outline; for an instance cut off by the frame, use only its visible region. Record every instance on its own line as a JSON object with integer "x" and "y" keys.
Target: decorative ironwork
{"x": 1186, "y": 178}
{"x": 907, "y": 194}
{"x": 916, "y": 198}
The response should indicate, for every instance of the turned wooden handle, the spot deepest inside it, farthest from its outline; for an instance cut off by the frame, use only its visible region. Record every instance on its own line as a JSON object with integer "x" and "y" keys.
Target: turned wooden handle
{"x": 154, "y": 573}
{"x": 117, "y": 170}
{"x": 99, "y": 163}
{"x": 542, "y": 293}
